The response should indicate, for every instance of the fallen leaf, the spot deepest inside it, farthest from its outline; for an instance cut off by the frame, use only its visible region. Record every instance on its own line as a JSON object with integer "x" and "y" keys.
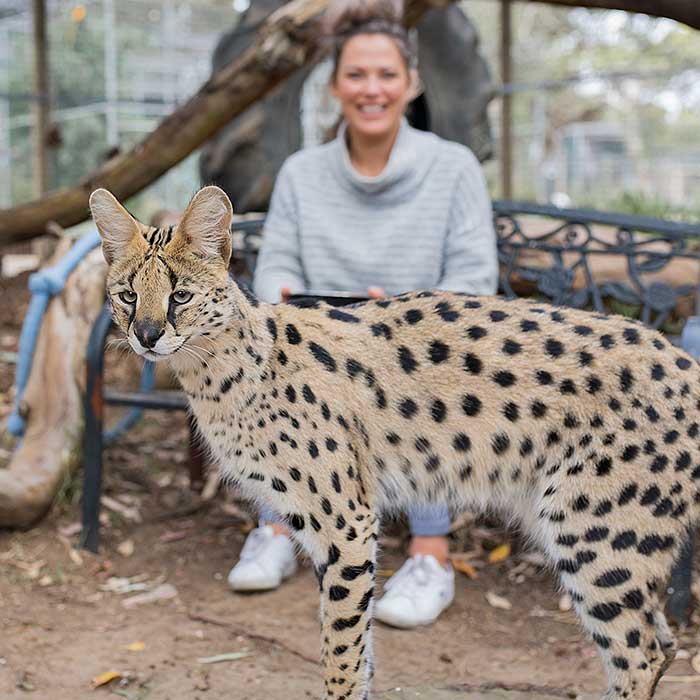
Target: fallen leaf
{"x": 71, "y": 529}
{"x": 499, "y": 554}
{"x": 165, "y": 591}
{"x": 75, "y": 556}
{"x": 695, "y": 663}
{"x": 136, "y": 646}
{"x": 465, "y": 568}
{"x": 126, "y": 548}
{"x": 497, "y": 601}
{"x": 233, "y": 656}
{"x": 32, "y": 570}
{"x": 127, "y": 512}
{"x": 173, "y": 536}
{"x": 116, "y": 584}
{"x": 24, "y": 681}
{"x": 105, "y": 678}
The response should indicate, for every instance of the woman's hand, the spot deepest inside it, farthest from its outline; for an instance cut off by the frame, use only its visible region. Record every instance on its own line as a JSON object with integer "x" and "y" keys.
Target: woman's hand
{"x": 285, "y": 293}
{"x": 376, "y": 293}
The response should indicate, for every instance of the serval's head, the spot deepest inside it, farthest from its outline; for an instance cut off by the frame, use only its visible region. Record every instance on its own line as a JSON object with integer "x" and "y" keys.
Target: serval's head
{"x": 165, "y": 284}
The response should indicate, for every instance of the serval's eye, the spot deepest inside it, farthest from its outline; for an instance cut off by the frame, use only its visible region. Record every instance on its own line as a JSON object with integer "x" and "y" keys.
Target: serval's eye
{"x": 181, "y": 296}
{"x": 128, "y": 297}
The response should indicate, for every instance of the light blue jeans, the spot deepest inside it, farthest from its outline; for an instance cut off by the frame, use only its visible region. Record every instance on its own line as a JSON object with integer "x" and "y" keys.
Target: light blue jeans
{"x": 424, "y": 520}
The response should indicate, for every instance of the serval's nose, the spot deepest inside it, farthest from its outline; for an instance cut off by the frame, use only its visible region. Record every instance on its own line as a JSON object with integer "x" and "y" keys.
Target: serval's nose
{"x": 147, "y": 333}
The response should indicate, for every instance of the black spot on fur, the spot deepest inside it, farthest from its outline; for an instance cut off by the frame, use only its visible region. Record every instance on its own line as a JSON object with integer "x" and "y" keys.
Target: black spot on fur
{"x": 511, "y": 411}
{"x": 339, "y": 315}
{"x": 624, "y": 540}
{"x": 554, "y": 348}
{"x": 279, "y": 485}
{"x": 511, "y": 347}
{"x": 293, "y": 335}
{"x": 596, "y": 534}
{"x": 544, "y": 377}
{"x": 605, "y": 611}
{"x": 476, "y": 332}
{"x": 504, "y": 378}
{"x": 631, "y": 336}
{"x": 408, "y": 408}
{"x": 323, "y": 356}
{"x": 626, "y": 379}
{"x": 406, "y": 360}
{"x": 472, "y": 363}
{"x": 413, "y": 316}
{"x": 439, "y": 352}
{"x": 446, "y": 312}
{"x": 461, "y": 442}
{"x": 683, "y": 363}
{"x": 438, "y": 411}
{"x": 471, "y": 405}
{"x": 500, "y": 443}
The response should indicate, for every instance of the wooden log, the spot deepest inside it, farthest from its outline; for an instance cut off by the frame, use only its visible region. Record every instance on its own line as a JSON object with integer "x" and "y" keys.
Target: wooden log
{"x": 52, "y": 444}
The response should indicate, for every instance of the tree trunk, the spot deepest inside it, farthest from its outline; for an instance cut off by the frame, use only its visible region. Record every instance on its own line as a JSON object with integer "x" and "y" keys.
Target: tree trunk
{"x": 52, "y": 444}
{"x": 285, "y": 42}
{"x": 684, "y": 11}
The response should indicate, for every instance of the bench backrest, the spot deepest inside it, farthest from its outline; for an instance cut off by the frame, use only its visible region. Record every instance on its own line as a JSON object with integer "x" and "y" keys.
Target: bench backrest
{"x": 635, "y": 265}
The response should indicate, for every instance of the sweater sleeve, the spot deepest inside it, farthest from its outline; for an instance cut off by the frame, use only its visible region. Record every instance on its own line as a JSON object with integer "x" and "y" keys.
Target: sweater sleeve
{"x": 279, "y": 259}
{"x": 471, "y": 258}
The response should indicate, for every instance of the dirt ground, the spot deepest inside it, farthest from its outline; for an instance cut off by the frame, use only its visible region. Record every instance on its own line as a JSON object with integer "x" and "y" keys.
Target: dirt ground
{"x": 68, "y": 617}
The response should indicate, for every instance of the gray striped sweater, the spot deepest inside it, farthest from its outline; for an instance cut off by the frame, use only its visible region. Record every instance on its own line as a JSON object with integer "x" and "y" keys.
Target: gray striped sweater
{"x": 424, "y": 223}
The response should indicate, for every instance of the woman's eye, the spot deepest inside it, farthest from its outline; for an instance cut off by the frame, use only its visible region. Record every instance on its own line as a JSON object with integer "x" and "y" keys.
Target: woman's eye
{"x": 182, "y": 297}
{"x": 127, "y": 296}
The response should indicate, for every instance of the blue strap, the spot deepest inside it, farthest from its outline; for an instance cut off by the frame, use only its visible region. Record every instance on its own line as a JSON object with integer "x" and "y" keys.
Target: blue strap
{"x": 43, "y": 285}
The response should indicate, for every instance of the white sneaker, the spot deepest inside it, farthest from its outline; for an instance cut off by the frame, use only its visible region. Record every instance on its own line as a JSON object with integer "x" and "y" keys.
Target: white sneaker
{"x": 266, "y": 560}
{"x": 417, "y": 593}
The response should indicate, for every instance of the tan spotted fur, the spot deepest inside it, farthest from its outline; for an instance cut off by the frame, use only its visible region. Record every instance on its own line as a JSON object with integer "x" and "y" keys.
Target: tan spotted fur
{"x": 582, "y": 428}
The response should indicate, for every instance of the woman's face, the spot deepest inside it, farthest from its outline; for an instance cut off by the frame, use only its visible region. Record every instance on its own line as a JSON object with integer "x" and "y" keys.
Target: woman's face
{"x": 372, "y": 84}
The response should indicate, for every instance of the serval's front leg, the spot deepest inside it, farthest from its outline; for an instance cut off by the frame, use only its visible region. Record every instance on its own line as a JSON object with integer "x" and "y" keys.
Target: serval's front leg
{"x": 339, "y": 531}
{"x": 330, "y": 515}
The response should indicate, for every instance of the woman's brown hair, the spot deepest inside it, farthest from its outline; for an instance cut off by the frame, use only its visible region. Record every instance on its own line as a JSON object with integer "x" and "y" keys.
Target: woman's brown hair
{"x": 345, "y": 19}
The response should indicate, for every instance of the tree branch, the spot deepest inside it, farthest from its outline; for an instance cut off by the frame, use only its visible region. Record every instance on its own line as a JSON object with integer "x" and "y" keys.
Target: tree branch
{"x": 285, "y": 42}
{"x": 684, "y": 11}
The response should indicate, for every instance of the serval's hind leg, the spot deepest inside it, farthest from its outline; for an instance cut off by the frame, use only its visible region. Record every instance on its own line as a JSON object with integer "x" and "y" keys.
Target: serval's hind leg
{"x": 630, "y": 630}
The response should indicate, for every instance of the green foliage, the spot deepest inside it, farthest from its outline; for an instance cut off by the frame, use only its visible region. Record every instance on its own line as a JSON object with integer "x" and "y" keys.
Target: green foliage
{"x": 637, "y": 203}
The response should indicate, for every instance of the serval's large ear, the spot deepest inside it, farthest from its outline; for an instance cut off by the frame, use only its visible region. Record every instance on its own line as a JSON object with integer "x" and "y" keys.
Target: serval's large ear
{"x": 205, "y": 225}
{"x": 116, "y": 226}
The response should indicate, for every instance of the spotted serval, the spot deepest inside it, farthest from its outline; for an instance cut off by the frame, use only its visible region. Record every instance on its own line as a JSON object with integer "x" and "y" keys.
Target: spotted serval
{"x": 583, "y": 428}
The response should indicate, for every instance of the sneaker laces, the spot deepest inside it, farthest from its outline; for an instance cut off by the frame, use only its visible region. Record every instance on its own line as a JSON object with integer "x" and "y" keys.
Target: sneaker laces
{"x": 256, "y": 541}
{"x": 413, "y": 575}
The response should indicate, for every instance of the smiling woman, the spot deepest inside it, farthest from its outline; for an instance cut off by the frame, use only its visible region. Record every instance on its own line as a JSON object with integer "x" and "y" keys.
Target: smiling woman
{"x": 374, "y": 78}
{"x": 382, "y": 209}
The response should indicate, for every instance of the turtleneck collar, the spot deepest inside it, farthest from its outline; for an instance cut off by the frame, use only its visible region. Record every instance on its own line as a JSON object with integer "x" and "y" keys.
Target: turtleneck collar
{"x": 402, "y": 161}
